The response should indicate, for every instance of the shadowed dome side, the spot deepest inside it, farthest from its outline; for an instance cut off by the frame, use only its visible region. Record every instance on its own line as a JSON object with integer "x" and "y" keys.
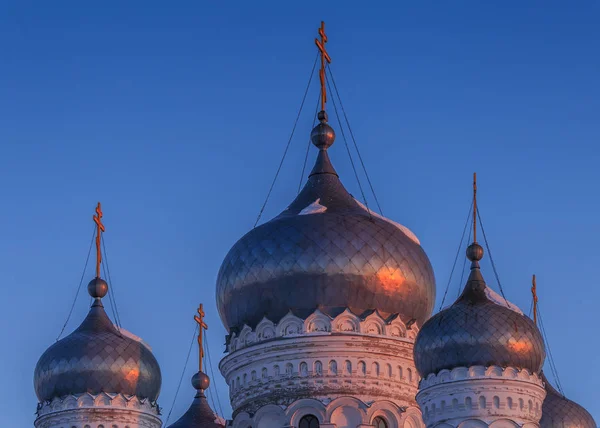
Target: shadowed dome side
{"x": 476, "y": 330}
{"x": 97, "y": 358}
{"x": 325, "y": 251}
{"x": 560, "y": 412}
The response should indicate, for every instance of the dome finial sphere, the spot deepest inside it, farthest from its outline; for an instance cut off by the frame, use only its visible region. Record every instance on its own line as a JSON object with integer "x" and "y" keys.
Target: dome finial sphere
{"x": 474, "y": 252}
{"x": 200, "y": 381}
{"x": 322, "y": 136}
{"x": 97, "y": 288}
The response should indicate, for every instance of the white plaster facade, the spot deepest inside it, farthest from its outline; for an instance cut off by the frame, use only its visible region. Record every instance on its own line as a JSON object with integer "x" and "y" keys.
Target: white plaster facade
{"x": 343, "y": 412}
{"x": 345, "y": 371}
{"x": 481, "y": 397}
{"x": 98, "y": 411}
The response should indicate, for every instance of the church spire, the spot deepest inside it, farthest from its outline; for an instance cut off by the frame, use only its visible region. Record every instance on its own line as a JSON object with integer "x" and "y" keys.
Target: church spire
{"x": 475, "y": 251}
{"x": 199, "y": 414}
{"x": 97, "y": 287}
{"x": 323, "y": 135}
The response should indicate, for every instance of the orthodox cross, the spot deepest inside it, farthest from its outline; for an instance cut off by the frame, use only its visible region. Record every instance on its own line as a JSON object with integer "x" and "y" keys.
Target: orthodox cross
{"x": 324, "y": 57}
{"x": 535, "y": 299}
{"x": 99, "y": 229}
{"x": 474, "y": 207}
{"x": 202, "y": 326}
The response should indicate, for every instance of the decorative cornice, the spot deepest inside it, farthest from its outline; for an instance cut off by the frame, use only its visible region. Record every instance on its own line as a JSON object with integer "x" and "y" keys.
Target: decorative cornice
{"x": 479, "y": 372}
{"x": 99, "y": 401}
{"x": 108, "y": 417}
{"x": 319, "y": 323}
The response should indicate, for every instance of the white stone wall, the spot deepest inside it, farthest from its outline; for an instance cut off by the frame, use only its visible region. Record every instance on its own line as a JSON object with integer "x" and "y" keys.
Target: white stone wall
{"x": 481, "y": 397}
{"x": 344, "y": 369}
{"x": 98, "y": 411}
{"x": 343, "y": 412}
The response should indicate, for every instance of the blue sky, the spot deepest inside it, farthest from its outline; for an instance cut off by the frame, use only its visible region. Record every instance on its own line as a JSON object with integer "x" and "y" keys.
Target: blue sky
{"x": 175, "y": 116}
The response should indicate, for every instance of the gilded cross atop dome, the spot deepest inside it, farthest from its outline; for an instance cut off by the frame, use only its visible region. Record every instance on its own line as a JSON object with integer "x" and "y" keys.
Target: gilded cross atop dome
{"x": 325, "y": 58}
{"x": 201, "y": 326}
{"x": 475, "y": 251}
{"x": 535, "y": 299}
{"x": 99, "y": 230}
{"x": 474, "y": 207}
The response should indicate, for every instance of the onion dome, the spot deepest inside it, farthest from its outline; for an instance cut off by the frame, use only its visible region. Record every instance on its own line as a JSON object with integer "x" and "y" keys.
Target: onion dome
{"x": 560, "y": 412}
{"x": 199, "y": 415}
{"x": 97, "y": 358}
{"x": 325, "y": 251}
{"x": 479, "y": 329}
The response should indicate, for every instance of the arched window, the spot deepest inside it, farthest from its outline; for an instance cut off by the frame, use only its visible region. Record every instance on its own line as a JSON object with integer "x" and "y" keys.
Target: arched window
{"x": 375, "y": 369}
{"x": 309, "y": 421}
{"x": 379, "y": 422}
{"x": 303, "y": 369}
{"x": 482, "y": 402}
{"x": 496, "y": 402}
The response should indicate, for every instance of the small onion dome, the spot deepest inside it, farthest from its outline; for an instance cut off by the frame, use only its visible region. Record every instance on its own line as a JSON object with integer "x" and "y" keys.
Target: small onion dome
{"x": 479, "y": 329}
{"x": 97, "y": 358}
{"x": 199, "y": 415}
{"x": 560, "y": 412}
{"x": 325, "y": 251}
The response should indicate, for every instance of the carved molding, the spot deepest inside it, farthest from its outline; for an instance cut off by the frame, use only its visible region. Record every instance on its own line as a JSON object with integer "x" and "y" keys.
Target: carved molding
{"x": 319, "y": 323}
{"x": 98, "y": 418}
{"x": 105, "y": 409}
{"x": 479, "y": 372}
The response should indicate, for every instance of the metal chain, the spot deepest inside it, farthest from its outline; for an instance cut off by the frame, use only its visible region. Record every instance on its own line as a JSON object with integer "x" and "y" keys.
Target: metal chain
{"x": 354, "y": 140}
{"x": 288, "y": 144}
{"x": 308, "y": 145}
{"x": 462, "y": 274}
{"x": 212, "y": 374}
{"x": 348, "y": 150}
{"x": 62, "y": 330}
{"x": 187, "y": 360}
{"x": 111, "y": 293}
{"x": 551, "y": 357}
{"x": 456, "y": 258}
{"x": 487, "y": 246}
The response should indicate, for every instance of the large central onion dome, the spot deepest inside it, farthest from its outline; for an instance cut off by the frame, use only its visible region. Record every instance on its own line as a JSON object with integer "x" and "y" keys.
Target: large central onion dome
{"x": 96, "y": 358}
{"x": 559, "y": 411}
{"x": 479, "y": 329}
{"x": 325, "y": 251}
